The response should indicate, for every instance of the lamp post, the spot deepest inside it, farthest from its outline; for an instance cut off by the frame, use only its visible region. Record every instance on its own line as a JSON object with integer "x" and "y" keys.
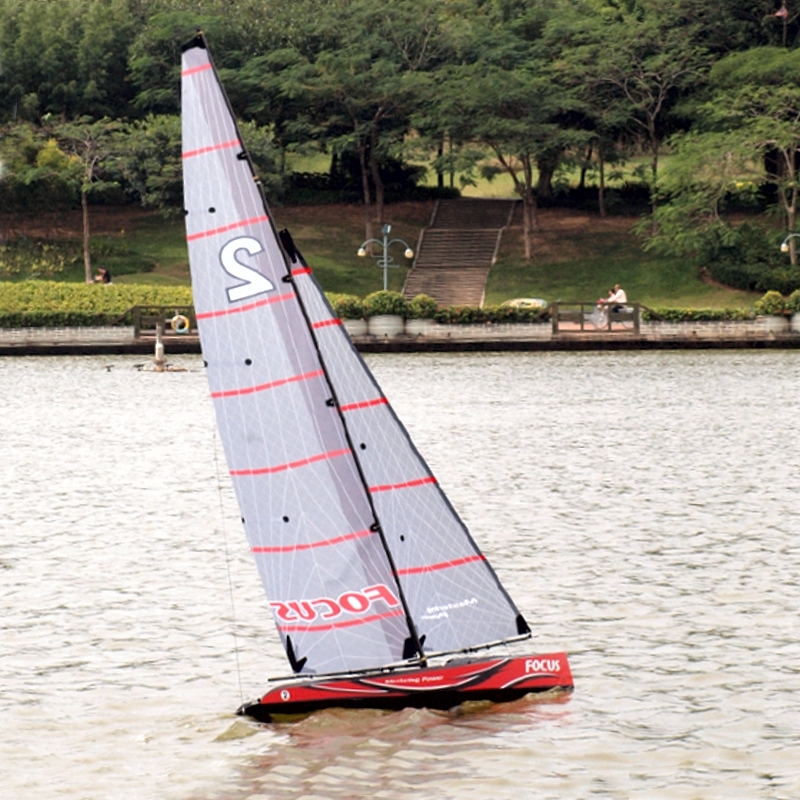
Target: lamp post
{"x": 385, "y": 260}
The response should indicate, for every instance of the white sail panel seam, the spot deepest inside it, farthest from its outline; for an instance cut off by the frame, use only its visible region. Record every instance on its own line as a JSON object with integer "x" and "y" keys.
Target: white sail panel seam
{"x": 231, "y": 226}
{"x": 293, "y": 548}
{"x": 224, "y": 312}
{"x": 263, "y": 387}
{"x": 303, "y": 462}
{"x": 200, "y": 151}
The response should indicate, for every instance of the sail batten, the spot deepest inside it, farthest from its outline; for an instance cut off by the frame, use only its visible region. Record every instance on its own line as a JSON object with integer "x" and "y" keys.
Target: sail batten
{"x": 361, "y": 555}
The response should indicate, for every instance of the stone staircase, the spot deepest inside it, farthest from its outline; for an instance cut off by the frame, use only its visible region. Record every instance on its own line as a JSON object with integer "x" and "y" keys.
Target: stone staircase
{"x": 457, "y": 250}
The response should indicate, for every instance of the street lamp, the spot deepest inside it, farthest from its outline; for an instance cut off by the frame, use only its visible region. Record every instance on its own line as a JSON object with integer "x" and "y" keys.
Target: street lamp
{"x": 785, "y": 242}
{"x": 385, "y": 260}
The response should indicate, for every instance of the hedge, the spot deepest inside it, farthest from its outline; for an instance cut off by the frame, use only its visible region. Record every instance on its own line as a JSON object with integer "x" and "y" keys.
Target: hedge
{"x": 55, "y": 304}
{"x": 39, "y": 304}
{"x": 696, "y": 314}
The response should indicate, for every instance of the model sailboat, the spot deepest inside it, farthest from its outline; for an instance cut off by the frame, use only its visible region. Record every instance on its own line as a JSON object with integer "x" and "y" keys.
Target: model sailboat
{"x": 369, "y": 571}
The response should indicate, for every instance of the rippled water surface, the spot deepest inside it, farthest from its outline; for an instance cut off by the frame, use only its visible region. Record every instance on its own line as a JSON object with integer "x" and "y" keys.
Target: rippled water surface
{"x": 641, "y": 508}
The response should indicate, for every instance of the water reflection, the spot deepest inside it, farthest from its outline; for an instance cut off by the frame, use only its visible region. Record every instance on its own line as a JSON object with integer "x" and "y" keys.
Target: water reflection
{"x": 639, "y": 507}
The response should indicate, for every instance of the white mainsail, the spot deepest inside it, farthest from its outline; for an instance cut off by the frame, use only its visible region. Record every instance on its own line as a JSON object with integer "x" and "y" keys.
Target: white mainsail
{"x": 363, "y": 560}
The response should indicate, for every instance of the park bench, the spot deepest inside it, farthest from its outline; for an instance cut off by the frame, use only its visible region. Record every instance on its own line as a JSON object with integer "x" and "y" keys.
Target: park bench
{"x": 595, "y": 318}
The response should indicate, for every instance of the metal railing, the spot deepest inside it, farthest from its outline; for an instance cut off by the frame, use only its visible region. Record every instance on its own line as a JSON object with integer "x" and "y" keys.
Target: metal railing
{"x": 596, "y": 317}
{"x": 150, "y": 318}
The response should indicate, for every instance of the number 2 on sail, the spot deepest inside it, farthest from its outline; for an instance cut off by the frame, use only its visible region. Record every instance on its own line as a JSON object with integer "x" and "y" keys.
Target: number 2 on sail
{"x": 254, "y": 282}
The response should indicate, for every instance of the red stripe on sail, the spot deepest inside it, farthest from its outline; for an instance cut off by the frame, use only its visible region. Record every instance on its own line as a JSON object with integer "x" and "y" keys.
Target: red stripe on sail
{"x": 348, "y": 623}
{"x": 194, "y": 70}
{"x": 211, "y": 148}
{"x": 214, "y": 231}
{"x": 378, "y": 401}
{"x": 262, "y": 387}
{"x": 388, "y": 487}
{"x": 457, "y": 562}
{"x": 302, "y": 271}
{"x": 303, "y": 462}
{"x": 326, "y": 322}
{"x": 249, "y": 307}
{"x": 293, "y": 548}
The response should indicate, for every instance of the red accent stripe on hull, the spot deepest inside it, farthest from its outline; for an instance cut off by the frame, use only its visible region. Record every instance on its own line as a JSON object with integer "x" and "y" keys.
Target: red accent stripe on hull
{"x": 302, "y": 271}
{"x": 293, "y": 548}
{"x": 378, "y": 401}
{"x": 349, "y": 623}
{"x": 249, "y": 307}
{"x": 211, "y": 148}
{"x": 242, "y": 223}
{"x": 303, "y": 462}
{"x": 265, "y": 386}
{"x": 456, "y": 562}
{"x": 195, "y": 70}
{"x": 388, "y": 487}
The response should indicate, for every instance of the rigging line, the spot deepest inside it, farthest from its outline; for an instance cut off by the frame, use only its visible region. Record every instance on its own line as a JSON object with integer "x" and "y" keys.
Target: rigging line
{"x": 227, "y": 565}
{"x": 200, "y": 41}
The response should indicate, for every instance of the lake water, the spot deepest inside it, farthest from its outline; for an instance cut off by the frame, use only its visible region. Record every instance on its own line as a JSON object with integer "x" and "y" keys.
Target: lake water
{"x": 641, "y": 508}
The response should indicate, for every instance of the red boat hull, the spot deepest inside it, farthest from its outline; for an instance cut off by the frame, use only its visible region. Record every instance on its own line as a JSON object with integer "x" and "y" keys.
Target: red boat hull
{"x": 440, "y": 687}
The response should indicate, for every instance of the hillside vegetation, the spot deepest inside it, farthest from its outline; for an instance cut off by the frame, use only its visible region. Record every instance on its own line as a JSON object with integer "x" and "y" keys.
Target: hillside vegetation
{"x": 576, "y": 256}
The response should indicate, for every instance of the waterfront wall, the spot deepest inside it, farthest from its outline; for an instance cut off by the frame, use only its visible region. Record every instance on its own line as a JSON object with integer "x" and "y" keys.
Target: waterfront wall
{"x": 761, "y": 332}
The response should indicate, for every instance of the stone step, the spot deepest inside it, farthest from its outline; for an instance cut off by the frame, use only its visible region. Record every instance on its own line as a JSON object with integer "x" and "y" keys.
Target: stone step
{"x": 462, "y": 286}
{"x": 473, "y": 213}
{"x": 455, "y": 254}
{"x": 460, "y": 248}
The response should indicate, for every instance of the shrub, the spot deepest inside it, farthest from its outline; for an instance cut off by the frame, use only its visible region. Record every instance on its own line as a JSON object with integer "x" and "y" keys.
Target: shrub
{"x": 783, "y": 279}
{"x": 422, "y": 307}
{"x": 348, "y": 306}
{"x": 386, "y": 302}
{"x": 772, "y": 303}
{"x": 793, "y": 302}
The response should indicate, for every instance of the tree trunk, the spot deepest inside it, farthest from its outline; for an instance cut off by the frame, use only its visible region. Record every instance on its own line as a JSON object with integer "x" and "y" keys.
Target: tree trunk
{"x": 789, "y": 199}
{"x": 546, "y": 166}
{"x": 654, "y": 170}
{"x": 439, "y": 173}
{"x": 584, "y": 167}
{"x": 529, "y": 222}
{"x": 87, "y": 256}
{"x": 362, "y": 160}
{"x": 601, "y": 189}
{"x": 377, "y": 181}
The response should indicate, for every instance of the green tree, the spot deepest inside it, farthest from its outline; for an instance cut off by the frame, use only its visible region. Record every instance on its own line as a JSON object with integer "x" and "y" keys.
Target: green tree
{"x": 650, "y": 56}
{"x": 90, "y": 147}
{"x": 64, "y": 57}
{"x": 748, "y": 136}
{"x": 350, "y": 81}
{"x": 504, "y": 95}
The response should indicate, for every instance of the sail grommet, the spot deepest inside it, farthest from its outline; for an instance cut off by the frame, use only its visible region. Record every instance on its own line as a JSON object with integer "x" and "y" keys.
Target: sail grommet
{"x": 248, "y": 361}
{"x": 180, "y": 323}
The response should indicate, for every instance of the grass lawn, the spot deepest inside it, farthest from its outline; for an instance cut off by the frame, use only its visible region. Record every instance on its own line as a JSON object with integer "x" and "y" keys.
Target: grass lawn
{"x": 577, "y": 256}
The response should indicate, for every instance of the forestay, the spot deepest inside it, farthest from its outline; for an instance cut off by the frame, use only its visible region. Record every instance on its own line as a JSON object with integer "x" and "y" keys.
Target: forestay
{"x": 364, "y": 561}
